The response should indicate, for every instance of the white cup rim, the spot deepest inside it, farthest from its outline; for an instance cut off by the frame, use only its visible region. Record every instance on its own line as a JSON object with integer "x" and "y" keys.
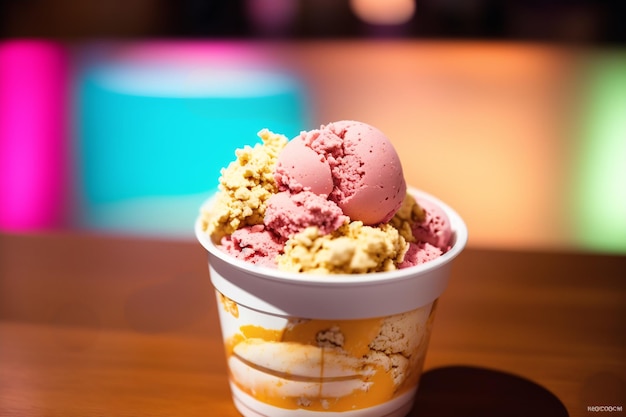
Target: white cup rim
{"x": 459, "y": 239}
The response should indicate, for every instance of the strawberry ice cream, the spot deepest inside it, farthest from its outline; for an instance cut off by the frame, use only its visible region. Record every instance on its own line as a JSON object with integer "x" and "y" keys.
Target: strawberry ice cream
{"x": 322, "y": 203}
{"x": 254, "y": 244}
{"x": 287, "y": 214}
{"x": 352, "y": 163}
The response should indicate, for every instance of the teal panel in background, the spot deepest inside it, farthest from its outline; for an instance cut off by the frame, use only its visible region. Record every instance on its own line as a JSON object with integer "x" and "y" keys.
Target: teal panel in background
{"x": 151, "y": 139}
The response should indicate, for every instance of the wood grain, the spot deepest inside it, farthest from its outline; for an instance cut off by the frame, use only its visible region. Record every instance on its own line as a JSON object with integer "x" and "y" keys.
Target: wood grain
{"x": 111, "y": 326}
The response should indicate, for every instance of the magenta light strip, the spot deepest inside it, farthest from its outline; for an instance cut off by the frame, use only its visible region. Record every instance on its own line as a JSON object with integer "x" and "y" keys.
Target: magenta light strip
{"x": 32, "y": 134}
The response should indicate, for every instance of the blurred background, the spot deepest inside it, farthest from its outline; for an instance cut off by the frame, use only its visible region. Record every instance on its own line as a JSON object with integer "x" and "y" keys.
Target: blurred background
{"x": 116, "y": 116}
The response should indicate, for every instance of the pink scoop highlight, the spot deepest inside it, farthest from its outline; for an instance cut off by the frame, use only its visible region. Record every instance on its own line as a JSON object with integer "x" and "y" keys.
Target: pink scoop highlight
{"x": 32, "y": 134}
{"x": 352, "y": 163}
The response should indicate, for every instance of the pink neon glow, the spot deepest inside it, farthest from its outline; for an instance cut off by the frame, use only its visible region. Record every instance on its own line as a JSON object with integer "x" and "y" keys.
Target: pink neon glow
{"x": 32, "y": 134}
{"x": 190, "y": 52}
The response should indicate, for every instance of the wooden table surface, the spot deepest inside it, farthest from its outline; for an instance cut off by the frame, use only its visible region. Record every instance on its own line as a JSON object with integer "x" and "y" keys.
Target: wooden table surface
{"x": 110, "y": 326}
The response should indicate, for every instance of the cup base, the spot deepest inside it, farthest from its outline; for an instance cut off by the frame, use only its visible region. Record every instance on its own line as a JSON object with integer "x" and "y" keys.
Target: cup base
{"x": 251, "y": 407}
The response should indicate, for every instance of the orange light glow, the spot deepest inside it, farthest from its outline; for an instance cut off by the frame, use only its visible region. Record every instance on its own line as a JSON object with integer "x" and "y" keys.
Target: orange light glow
{"x": 389, "y": 12}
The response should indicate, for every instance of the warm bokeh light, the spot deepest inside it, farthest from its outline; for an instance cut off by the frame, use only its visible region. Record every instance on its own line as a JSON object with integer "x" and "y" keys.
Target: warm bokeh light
{"x": 479, "y": 125}
{"x": 388, "y": 12}
{"x": 32, "y": 134}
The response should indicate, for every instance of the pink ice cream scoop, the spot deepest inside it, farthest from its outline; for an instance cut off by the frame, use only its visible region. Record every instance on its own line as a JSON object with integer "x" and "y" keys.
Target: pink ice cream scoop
{"x": 432, "y": 235}
{"x": 436, "y": 228}
{"x": 351, "y": 162}
{"x": 255, "y": 244}
{"x": 301, "y": 167}
{"x": 419, "y": 253}
{"x": 287, "y": 214}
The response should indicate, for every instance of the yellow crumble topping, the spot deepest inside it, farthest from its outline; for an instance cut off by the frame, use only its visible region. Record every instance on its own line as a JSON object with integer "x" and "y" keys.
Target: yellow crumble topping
{"x": 245, "y": 185}
{"x": 351, "y": 249}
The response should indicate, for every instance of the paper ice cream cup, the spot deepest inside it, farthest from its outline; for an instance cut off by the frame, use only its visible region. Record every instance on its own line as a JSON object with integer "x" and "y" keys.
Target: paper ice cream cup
{"x": 303, "y": 345}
